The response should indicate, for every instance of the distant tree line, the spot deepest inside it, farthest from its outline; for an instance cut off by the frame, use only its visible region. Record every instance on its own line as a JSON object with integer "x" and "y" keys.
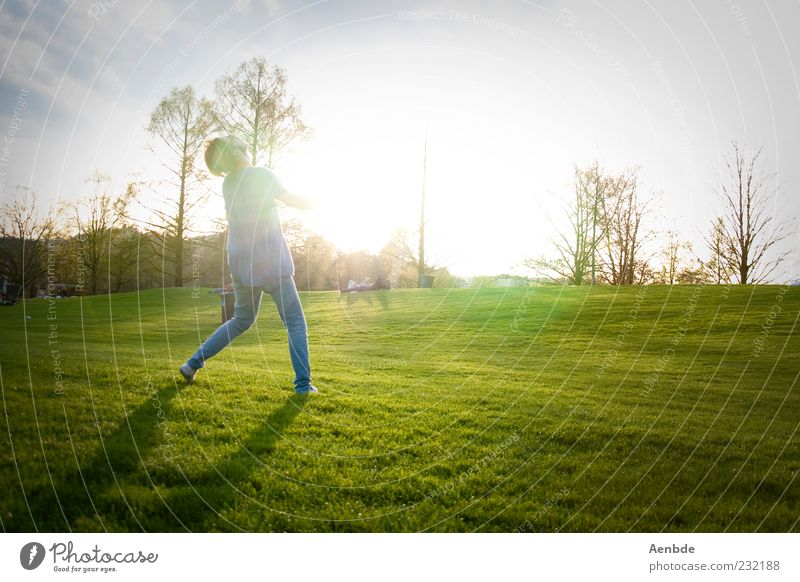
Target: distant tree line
{"x": 91, "y": 247}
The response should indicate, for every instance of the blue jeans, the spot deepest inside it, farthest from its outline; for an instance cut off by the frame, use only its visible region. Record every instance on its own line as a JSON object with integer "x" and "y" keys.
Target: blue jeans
{"x": 248, "y": 300}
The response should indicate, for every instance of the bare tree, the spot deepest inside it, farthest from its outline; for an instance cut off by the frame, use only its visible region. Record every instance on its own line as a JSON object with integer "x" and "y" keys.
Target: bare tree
{"x": 94, "y": 219}
{"x": 622, "y": 213}
{"x": 748, "y": 230}
{"x": 606, "y": 232}
{"x": 25, "y": 234}
{"x": 253, "y": 103}
{"x": 716, "y": 268}
{"x": 182, "y": 121}
{"x": 576, "y": 245}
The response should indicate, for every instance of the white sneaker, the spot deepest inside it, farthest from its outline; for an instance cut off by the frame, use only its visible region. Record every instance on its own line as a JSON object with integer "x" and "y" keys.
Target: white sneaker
{"x": 188, "y": 372}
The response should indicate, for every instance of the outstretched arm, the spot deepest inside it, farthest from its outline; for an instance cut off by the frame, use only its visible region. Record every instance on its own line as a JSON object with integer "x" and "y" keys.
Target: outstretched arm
{"x": 299, "y": 202}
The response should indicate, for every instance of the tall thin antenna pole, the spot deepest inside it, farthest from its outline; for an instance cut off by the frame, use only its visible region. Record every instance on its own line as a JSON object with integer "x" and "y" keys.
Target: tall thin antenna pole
{"x": 421, "y": 263}
{"x": 595, "y": 195}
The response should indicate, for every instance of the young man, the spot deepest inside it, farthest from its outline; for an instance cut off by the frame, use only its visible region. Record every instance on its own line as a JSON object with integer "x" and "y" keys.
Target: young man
{"x": 258, "y": 257}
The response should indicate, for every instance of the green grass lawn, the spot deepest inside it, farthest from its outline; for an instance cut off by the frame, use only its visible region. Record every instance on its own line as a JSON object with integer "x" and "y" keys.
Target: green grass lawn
{"x": 540, "y": 409}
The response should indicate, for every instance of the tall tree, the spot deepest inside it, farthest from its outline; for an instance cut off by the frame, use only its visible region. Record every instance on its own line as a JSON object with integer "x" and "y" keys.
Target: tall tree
{"x": 25, "y": 234}
{"x": 717, "y": 269}
{"x": 253, "y": 103}
{"x": 576, "y": 244}
{"x": 749, "y": 231}
{"x": 622, "y": 213}
{"x": 182, "y": 121}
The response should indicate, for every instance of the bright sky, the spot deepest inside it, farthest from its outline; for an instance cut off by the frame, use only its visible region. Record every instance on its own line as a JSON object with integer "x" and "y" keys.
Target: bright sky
{"x": 511, "y": 95}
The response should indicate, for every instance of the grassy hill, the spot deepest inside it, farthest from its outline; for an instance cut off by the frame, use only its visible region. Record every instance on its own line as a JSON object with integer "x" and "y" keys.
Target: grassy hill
{"x": 540, "y": 409}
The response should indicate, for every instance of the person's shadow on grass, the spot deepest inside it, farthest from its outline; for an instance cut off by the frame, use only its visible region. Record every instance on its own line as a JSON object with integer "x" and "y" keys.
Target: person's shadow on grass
{"x": 105, "y": 494}
{"x": 91, "y": 492}
{"x": 204, "y": 498}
